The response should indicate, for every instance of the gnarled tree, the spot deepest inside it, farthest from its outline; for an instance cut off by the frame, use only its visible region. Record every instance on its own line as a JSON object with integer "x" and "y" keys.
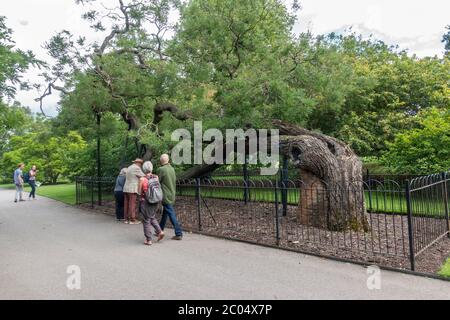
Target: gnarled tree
{"x": 331, "y": 188}
{"x": 331, "y": 193}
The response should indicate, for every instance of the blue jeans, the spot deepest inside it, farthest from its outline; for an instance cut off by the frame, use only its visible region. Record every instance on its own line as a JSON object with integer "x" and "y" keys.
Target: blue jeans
{"x": 169, "y": 212}
{"x": 32, "y": 184}
{"x": 19, "y": 191}
{"x": 120, "y": 202}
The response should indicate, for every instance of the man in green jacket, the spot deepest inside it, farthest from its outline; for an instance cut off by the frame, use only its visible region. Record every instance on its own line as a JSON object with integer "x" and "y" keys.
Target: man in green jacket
{"x": 168, "y": 179}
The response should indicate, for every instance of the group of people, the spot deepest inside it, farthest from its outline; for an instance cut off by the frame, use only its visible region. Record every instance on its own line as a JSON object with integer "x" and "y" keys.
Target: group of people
{"x": 20, "y": 179}
{"x": 131, "y": 187}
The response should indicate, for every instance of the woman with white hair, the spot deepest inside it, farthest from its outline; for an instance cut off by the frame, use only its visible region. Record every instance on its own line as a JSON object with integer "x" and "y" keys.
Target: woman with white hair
{"x": 118, "y": 193}
{"x": 148, "y": 210}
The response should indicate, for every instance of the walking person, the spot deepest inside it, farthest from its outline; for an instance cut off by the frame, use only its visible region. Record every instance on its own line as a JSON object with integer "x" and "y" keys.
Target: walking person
{"x": 118, "y": 194}
{"x": 32, "y": 182}
{"x": 148, "y": 210}
{"x": 131, "y": 190}
{"x": 167, "y": 178}
{"x": 18, "y": 181}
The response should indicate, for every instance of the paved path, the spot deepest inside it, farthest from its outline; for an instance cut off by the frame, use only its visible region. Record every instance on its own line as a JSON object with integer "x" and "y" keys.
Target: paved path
{"x": 40, "y": 239}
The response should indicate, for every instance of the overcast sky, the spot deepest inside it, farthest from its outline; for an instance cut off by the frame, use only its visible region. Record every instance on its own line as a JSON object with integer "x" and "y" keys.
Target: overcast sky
{"x": 416, "y": 25}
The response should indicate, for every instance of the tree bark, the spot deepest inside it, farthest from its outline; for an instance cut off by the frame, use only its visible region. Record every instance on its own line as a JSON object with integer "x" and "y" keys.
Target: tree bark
{"x": 332, "y": 195}
{"x": 198, "y": 171}
{"x": 161, "y": 108}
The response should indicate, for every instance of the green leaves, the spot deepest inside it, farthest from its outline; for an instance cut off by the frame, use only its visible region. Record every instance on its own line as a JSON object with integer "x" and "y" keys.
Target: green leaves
{"x": 424, "y": 149}
{"x": 367, "y": 92}
{"x": 446, "y": 40}
{"x": 234, "y": 63}
{"x": 234, "y": 48}
{"x": 54, "y": 156}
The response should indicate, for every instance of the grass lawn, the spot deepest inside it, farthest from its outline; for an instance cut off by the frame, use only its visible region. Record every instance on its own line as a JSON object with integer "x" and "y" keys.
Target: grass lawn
{"x": 375, "y": 201}
{"x": 445, "y": 270}
{"x": 61, "y": 192}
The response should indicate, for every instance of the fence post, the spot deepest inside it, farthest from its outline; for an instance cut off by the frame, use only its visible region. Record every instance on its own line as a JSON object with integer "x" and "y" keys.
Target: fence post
{"x": 246, "y": 180}
{"x": 284, "y": 181}
{"x": 92, "y": 192}
{"x": 100, "y": 187}
{"x": 76, "y": 192}
{"x": 410, "y": 226}
{"x": 277, "y": 215}
{"x": 369, "y": 184}
{"x": 445, "y": 191}
{"x": 199, "y": 203}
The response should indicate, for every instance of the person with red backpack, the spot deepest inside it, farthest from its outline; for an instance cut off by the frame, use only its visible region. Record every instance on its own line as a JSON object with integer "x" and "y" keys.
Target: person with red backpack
{"x": 150, "y": 197}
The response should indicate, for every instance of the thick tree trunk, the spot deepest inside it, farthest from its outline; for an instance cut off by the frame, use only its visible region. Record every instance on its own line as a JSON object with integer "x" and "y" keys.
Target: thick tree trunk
{"x": 332, "y": 193}
{"x": 313, "y": 205}
{"x": 198, "y": 171}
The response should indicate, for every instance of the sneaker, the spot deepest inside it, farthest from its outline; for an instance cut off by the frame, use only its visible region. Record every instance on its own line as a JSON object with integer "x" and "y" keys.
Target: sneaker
{"x": 177, "y": 238}
{"x": 135, "y": 222}
{"x": 126, "y": 222}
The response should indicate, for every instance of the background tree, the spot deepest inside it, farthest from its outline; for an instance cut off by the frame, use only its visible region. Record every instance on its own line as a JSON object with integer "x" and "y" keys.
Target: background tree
{"x": 238, "y": 55}
{"x": 380, "y": 92}
{"x": 423, "y": 149}
{"x": 55, "y": 157}
{"x": 446, "y": 40}
{"x": 13, "y": 63}
{"x": 15, "y": 119}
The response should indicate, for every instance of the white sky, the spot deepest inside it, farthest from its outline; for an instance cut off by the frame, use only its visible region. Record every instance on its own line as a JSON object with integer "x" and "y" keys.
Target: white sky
{"x": 416, "y": 25}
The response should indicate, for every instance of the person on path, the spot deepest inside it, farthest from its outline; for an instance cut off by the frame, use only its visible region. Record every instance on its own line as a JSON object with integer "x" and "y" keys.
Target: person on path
{"x": 118, "y": 194}
{"x": 131, "y": 190}
{"x": 32, "y": 182}
{"x": 18, "y": 181}
{"x": 167, "y": 178}
{"x": 146, "y": 209}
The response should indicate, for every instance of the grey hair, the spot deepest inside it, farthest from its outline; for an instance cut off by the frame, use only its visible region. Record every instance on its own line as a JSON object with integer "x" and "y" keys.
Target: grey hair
{"x": 147, "y": 167}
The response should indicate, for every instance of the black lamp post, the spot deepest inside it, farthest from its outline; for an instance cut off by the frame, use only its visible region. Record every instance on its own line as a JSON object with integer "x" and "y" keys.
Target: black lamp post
{"x": 99, "y": 162}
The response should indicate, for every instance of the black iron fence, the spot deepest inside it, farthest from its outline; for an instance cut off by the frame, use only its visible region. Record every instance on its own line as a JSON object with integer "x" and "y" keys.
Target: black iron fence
{"x": 385, "y": 221}
{"x": 428, "y": 211}
{"x": 94, "y": 190}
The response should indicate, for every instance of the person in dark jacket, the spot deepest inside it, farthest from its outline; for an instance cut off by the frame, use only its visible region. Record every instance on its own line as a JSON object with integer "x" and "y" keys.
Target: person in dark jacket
{"x": 118, "y": 193}
{"x": 32, "y": 182}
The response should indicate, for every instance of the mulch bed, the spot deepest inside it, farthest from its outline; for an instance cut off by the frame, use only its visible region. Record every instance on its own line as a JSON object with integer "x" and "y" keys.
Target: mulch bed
{"x": 386, "y": 244}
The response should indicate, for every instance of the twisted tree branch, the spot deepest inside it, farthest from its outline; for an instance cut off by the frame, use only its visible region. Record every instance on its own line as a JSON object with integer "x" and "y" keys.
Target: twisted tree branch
{"x": 161, "y": 108}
